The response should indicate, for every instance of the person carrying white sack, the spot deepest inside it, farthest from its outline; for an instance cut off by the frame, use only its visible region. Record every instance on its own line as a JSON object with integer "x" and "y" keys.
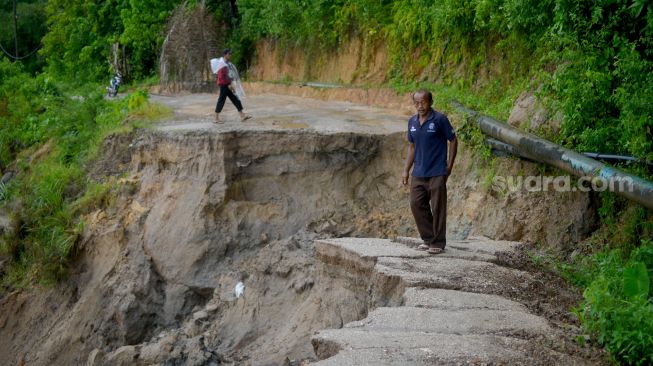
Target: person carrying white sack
{"x": 229, "y": 83}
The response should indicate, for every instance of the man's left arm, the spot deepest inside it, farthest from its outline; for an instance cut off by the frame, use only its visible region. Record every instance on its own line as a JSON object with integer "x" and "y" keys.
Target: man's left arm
{"x": 453, "y": 150}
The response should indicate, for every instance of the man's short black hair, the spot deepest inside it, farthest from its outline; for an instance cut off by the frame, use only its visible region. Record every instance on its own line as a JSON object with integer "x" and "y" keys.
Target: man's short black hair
{"x": 226, "y": 51}
{"x": 426, "y": 92}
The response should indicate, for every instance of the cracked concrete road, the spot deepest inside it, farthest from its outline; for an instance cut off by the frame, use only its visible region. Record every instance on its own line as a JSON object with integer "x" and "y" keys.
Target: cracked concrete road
{"x": 448, "y": 309}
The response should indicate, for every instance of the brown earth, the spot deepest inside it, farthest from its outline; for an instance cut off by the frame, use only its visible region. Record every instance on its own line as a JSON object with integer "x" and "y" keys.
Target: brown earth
{"x": 366, "y": 63}
{"x": 355, "y": 62}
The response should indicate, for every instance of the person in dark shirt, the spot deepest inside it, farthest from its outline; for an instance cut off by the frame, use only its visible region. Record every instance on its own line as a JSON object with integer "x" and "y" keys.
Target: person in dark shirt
{"x": 428, "y": 133}
{"x": 225, "y": 78}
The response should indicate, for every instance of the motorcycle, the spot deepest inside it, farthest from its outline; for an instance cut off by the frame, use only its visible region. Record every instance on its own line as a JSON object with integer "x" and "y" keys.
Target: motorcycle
{"x": 114, "y": 84}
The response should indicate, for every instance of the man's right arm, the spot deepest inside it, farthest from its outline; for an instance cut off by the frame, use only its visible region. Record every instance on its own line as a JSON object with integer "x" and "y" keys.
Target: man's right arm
{"x": 410, "y": 157}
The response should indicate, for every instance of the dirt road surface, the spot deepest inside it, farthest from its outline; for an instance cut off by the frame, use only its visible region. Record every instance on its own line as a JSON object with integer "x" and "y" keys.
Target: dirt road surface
{"x": 278, "y": 112}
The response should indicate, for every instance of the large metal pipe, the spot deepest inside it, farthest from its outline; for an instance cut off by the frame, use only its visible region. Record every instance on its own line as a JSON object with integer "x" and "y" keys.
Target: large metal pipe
{"x": 532, "y": 147}
{"x": 497, "y": 145}
{"x": 504, "y": 149}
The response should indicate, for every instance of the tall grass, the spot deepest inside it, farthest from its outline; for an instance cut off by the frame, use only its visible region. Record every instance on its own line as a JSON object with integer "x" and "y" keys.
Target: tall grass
{"x": 618, "y": 302}
{"x": 50, "y": 134}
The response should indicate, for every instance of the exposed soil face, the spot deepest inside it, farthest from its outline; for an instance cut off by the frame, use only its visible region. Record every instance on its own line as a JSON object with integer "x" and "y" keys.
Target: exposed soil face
{"x": 355, "y": 62}
{"x": 360, "y": 62}
{"x": 200, "y": 207}
{"x": 196, "y": 214}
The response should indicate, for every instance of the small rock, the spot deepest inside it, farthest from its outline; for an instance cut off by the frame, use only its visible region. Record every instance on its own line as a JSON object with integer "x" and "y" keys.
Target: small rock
{"x": 152, "y": 353}
{"x": 303, "y": 285}
{"x": 123, "y": 356}
{"x": 192, "y": 330}
{"x": 6, "y": 177}
{"x": 243, "y": 164}
{"x": 200, "y": 315}
{"x": 212, "y": 307}
{"x": 96, "y": 358}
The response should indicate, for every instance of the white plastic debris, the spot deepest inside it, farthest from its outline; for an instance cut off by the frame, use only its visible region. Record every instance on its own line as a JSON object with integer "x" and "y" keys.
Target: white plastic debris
{"x": 239, "y": 290}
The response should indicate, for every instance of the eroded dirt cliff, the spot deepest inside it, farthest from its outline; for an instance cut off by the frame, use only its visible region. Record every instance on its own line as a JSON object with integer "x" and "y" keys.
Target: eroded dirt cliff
{"x": 198, "y": 208}
{"x": 196, "y": 214}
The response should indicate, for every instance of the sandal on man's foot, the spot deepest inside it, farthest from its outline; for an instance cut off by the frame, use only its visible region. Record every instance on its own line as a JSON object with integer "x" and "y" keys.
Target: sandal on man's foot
{"x": 435, "y": 250}
{"x": 423, "y": 247}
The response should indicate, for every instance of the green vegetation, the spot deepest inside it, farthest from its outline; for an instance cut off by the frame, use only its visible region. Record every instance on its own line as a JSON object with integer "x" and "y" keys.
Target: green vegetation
{"x": 49, "y": 132}
{"x": 615, "y": 269}
{"x": 594, "y": 58}
{"x": 618, "y": 304}
{"x": 617, "y": 310}
{"x": 30, "y": 26}
{"x": 81, "y": 34}
{"x": 88, "y": 40}
{"x": 590, "y": 60}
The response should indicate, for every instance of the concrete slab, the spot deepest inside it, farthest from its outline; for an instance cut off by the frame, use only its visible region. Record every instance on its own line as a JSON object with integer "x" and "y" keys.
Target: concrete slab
{"x": 452, "y": 274}
{"x": 499, "y": 245}
{"x": 458, "y": 300}
{"x": 479, "y": 245}
{"x": 371, "y": 247}
{"x": 374, "y": 357}
{"x": 361, "y": 347}
{"x": 450, "y": 313}
{"x": 379, "y": 357}
{"x": 454, "y": 252}
{"x": 360, "y": 254}
{"x": 410, "y": 319}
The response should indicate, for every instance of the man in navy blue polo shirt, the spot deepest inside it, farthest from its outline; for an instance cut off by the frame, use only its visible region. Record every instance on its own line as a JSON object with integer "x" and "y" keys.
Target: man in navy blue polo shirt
{"x": 428, "y": 133}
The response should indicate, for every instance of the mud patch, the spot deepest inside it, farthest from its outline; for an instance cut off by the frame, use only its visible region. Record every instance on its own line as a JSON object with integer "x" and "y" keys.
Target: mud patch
{"x": 290, "y": 124}
{"x": 550, "y": 296}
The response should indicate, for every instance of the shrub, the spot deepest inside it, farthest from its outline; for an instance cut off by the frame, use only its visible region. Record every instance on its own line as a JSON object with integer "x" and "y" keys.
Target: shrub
{"x": 618, "y": 307}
